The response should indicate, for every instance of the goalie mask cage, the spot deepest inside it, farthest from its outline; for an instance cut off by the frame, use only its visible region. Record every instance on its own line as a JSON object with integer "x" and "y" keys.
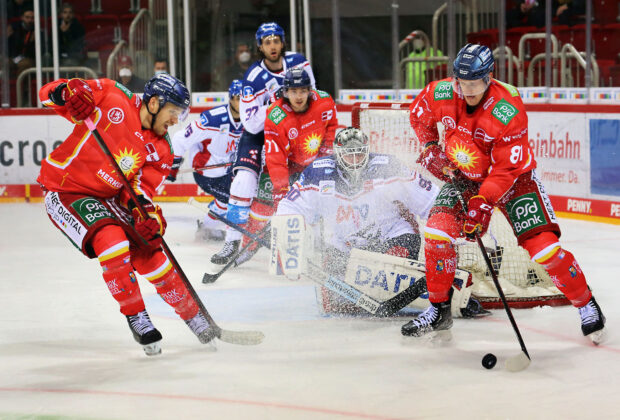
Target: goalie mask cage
{"x": 525, "y": 283}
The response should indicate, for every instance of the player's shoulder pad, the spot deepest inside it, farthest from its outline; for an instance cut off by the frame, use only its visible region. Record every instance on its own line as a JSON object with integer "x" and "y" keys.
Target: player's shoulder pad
{"x": 442, "y": 90}
{"x": 322, "y": 94}
{"x": 276, "y": 114}
{"x": 385, "y": 166}
{"x": 320, "y": 170}
{"x": 252, "y": 74}
{"x": 503, "y": 103}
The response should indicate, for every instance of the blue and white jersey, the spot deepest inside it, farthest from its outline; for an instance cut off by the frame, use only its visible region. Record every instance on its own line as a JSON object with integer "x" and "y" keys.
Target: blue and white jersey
{"x": 212, "y": 139}
{"x": 260, "y": 84}
{"x": 352, "y": 214}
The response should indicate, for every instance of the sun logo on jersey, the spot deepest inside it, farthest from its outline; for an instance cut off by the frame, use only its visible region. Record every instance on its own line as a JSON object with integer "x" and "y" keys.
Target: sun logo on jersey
{"x": 463, "y": 157}
{"x": 312, "y": 143}
{"x": 127, "y": 160}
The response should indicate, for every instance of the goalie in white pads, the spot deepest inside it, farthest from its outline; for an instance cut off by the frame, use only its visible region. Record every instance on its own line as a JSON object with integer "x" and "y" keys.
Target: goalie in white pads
{"x": 354, "y": 200}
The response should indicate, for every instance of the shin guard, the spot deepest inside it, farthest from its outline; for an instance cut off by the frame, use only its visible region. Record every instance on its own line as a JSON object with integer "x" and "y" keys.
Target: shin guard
{"x": 441, "y": 262}
{"x": 112, "y": 248}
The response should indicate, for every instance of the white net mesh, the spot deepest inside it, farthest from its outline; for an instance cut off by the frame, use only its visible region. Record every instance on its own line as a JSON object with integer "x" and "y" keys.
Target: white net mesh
{"x": 524, "y": 282}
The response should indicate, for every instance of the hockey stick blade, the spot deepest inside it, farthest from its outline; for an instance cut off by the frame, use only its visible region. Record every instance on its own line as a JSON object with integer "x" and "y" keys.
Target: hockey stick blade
{"x": 244, "y": 338}
{"x": 518, "y": 363}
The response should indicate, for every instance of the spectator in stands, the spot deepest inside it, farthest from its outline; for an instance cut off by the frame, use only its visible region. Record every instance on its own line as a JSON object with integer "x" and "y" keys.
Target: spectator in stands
{"x": 21, "y": 42}
{"x": 160, "y": 66}
{"x": 236, "y": 70}
{"x": 71, "y": 38}
{"x": 416, "y": 76}
{"x": 126, "y": 75}
{"x": 17, "y": 7}
{"x": 526, "y": 13}
{"x": 567, "y": 11}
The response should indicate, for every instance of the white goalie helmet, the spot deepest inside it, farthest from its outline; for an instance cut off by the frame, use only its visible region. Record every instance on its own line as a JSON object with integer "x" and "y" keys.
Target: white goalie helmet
{"x": 352, "y": 148}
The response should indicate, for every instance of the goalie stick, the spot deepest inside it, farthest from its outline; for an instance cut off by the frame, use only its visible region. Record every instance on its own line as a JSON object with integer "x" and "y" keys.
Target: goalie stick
{"x": 359, "y": 298}
{"x": 232, "y": 337}
{"x": 522, "y": 360}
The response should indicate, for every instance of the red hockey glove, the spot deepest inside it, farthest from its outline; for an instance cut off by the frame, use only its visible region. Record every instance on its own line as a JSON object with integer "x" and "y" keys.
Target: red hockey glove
{"x": 154, "y": 226}
{"x": 174, "y": 171}
{"x": 435, "y": 160}
{"x": 79, "y": 100}
{"x": 478, "y": 217}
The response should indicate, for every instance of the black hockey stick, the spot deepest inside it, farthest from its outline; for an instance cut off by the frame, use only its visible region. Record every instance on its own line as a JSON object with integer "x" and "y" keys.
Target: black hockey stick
{"x": 522, "y": 360}
{"x": 211, "y": 278}
{"x": 233, "y": 337}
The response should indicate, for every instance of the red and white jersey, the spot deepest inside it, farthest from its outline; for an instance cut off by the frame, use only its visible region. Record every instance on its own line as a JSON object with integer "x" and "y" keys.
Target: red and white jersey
{"x": 79, "y": 165}
{"x": 490, "y": 145}
{"x": 212, "y": 139}
{"x": 294, "y": 140}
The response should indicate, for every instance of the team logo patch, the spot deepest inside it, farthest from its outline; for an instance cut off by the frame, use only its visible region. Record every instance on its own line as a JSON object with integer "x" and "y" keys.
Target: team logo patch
{"x": 312, "y": 143}
{"x": 203, "y": 122}
{"x": 327, "y": 115}
{"x": 277, "y": 115}
{"x": 449, "y": 123}
{"x": 327, "y": 187}
{"x": 504, "y": 112}
{"x": 323, "y": 163}
{"x": 127, "y": 160}
{"x": 248, "y": 92}
{"x": 442, "y": 91}
{"x": 480, "y": 134}
{"x": 91, "y": 210}
{"x": 526, "y": 213}
{"x": 116, "y": 115}
{"x": 293, "y": 133}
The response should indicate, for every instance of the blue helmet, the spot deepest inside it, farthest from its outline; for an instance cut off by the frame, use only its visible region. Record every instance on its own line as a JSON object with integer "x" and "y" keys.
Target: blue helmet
{"x": 168, "y": 89}
{"x": 296, "y": 77}
{"x": 473, "y": 62}
{"x": 268, "y": 29}
{"x": 235, "y": 88}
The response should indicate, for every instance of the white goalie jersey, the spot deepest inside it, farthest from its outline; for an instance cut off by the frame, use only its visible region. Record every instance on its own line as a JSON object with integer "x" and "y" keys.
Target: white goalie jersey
{"x": 372, "y": 209}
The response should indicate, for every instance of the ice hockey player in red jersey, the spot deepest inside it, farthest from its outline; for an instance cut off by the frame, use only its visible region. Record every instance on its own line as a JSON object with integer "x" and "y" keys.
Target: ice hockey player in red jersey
{"x": 486, "y": 149}
{"x": 84, "y": 197}
{"x": 299, "y": 128}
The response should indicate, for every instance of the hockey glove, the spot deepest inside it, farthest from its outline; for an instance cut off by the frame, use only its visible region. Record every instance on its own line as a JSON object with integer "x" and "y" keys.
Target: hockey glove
{"x": 279, "y": 195}
{"x": 150, "y": 228}
{"x": 478, "y": 217}
{"x": 435, "y": 160}
{"x": 174, "y": 171}
{"x": 78, "y": 99}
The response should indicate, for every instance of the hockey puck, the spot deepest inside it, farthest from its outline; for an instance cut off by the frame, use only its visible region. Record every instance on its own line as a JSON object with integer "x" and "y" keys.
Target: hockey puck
{"x": 489, "y": 360}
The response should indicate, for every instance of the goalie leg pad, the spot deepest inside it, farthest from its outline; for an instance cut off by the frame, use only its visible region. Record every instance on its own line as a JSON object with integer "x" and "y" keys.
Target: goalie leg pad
{"x": 158, "y": 270}
{"x": 561, "y": 265}
{"x": 112, "y": 249}
{"x": 288, "y": 234}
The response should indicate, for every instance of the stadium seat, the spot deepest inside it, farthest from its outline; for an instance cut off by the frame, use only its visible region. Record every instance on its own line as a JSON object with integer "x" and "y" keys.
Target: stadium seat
{"x": 605, "y": 11}
{"x": 578, "y": 35}
{"x": 82, "y": 7}
{"x": 513, "y": 36}
{"x": 488, "y": 37}
{"x": 100, "y": 30}
{"x": 116, "y": 7}
{"x": 608, "y": 42}
{"x": 125, "y": 22}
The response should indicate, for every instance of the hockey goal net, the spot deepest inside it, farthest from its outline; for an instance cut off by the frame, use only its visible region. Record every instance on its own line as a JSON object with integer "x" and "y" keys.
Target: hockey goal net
{"x": 524, "y": 282}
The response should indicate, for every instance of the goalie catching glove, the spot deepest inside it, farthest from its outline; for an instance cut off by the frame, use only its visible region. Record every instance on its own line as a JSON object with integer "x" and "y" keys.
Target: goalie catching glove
{"x": 478, "y": 217}
{"x": 154, "y": 225}
{"x": 76, "y": 96}
{"x": 435, "y": 160}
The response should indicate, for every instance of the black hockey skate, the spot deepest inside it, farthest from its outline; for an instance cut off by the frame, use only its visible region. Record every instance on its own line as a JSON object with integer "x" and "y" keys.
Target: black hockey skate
{"x": 199, "y": 326}
{"x": 437, "y": 317}
{"x": 592, "y": 321}
{"x": 145, "y": 333}
{"x": 474, "y": 309}
{"x": 247, "y": 254}
{"x": 227, "y": 253}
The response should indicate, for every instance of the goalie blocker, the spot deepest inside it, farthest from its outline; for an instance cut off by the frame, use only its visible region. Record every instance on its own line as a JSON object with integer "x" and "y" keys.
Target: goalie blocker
{"x": 371, "y": 279}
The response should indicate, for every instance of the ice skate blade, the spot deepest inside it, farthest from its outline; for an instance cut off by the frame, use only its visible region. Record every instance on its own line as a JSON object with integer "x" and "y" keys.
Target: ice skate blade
{"x": 518, "y": 363}
{"x": 432, "y": 338}
{"x": 153, "y": 349}
{"x": 598, "y": 337}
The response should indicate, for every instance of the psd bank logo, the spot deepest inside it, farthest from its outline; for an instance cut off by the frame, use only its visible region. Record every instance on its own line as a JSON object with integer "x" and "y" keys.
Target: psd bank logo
{"x": 526, "y": 213}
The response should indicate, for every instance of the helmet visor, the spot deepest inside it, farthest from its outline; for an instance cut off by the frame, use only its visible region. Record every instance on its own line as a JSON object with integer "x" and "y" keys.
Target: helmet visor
{"x": 178, "y": 112}
{"x": 470, "y": 87}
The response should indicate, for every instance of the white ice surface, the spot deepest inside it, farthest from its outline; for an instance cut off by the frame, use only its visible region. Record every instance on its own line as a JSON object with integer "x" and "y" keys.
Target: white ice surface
{"x": 66, "y": 351}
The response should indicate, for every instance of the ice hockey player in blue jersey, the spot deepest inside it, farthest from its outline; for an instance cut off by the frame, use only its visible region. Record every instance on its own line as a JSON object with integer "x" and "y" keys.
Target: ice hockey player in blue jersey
{"x": 211, "y": 143}
{"x": 261, "y": 86}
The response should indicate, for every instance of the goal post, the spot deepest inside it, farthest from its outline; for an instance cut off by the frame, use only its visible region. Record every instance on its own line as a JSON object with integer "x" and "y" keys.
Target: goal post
{"x": 525, "y": 283}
